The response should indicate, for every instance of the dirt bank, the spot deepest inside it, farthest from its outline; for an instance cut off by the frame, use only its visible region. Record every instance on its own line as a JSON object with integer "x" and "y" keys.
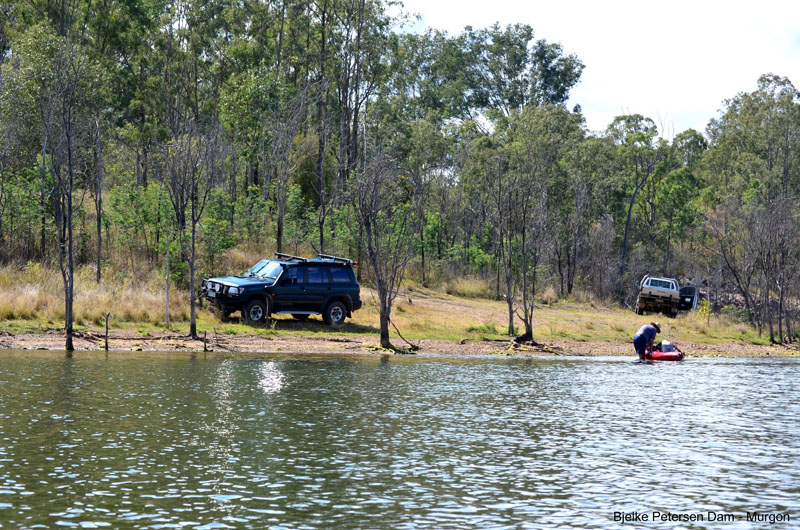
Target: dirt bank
{"x": 360, "y": 344}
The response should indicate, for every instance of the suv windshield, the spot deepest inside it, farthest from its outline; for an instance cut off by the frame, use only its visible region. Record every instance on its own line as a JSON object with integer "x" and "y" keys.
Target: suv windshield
{"x": 266, "y": 268}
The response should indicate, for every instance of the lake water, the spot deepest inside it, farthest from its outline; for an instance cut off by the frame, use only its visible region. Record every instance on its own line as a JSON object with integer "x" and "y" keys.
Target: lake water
{"x": 172, "y": 440}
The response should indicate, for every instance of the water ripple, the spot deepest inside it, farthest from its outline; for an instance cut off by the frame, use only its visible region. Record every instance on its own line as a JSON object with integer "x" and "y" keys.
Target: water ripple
{"x": 162, "y": 442}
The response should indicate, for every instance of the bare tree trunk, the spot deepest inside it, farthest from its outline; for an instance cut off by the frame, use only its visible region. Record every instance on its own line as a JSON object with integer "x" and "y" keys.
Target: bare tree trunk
{"x": 43, "y": 201}
{"x": 279, "y": 232}
{"x": 98, "y": 203}
{"x": 510, "y": 300}
{"x": 166, "y": 287}
{"x": 422, "y": 252}
{"x": 625, "y": 238}
{"x": 280, "y": 33}
{"x": 384, "y": 315}
{"x": 193, "y": 290}
{"x": 322, "y": 117}
{"x": 70, "y": 250}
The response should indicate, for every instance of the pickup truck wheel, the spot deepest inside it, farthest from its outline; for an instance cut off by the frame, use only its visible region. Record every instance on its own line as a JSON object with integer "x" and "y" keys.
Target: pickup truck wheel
{"x": 256, "y": 311}
{"x": 300, "y": 316}
{"x": 335, "y": 314}
{"x": 639, "y": 311}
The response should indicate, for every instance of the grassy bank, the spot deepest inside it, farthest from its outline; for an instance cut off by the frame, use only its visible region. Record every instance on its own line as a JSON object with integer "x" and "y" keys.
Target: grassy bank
{"x": 31, "y": 302}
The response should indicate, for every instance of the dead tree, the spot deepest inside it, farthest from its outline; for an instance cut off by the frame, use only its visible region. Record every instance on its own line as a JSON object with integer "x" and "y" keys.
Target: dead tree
{"x": 384, "y": 206}
{"x": 71, "y": 99}
{"x": 98, "y": 196}
{"x": 190, "y": 165}
{"x": 286, "y": 120}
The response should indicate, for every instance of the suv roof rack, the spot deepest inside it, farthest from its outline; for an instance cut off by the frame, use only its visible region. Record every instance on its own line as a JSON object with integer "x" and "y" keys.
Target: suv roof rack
{"x": 289, "y": 257}
{"x": 336, "y": 259}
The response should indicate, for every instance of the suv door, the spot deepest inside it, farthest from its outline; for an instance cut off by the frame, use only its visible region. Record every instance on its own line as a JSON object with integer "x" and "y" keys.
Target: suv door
{"x": 317, "y": 287}
{"x": 288, "y": 293}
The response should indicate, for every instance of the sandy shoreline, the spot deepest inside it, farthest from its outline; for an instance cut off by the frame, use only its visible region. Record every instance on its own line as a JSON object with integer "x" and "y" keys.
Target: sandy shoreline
{"x": 121, "y": 341}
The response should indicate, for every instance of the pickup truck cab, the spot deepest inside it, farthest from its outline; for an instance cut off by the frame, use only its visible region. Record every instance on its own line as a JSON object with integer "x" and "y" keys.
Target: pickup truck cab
{"x": 660, "y": 295}
{"x": 289, "y": 284}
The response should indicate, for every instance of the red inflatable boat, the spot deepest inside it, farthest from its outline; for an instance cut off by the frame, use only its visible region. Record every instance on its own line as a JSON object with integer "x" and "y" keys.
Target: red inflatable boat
{"x": 657, "y": 355}
{"x": 664, "y": 356}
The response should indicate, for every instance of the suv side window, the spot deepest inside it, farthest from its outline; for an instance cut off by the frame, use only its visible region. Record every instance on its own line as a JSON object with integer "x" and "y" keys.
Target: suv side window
{"x": 316, "y": 274}
{"x": 340, "y": 275}
{"x": 293, "y": 275}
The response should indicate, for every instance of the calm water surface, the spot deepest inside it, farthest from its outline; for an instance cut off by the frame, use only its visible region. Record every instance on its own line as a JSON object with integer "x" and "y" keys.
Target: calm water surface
{"x": 167, "y": 441}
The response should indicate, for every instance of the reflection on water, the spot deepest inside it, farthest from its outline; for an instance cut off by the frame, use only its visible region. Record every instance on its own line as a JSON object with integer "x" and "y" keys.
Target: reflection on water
{"x": 271, "y": 378}
{"x": 165, "y": 442}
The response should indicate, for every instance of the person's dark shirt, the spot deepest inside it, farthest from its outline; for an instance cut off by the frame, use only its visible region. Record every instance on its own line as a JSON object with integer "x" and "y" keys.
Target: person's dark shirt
{"x": 648, "y": 331}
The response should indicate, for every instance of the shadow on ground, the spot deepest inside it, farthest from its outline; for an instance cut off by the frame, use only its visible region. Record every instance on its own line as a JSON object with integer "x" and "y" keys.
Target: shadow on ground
{"x": 311, "y": 324}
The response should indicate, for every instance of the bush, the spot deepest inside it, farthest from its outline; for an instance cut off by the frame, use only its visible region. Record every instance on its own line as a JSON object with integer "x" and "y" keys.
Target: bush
{"x": 548, "y": 296}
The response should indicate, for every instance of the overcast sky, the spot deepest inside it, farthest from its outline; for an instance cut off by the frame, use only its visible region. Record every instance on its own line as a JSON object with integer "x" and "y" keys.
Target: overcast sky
{"x": 675, "y": 62}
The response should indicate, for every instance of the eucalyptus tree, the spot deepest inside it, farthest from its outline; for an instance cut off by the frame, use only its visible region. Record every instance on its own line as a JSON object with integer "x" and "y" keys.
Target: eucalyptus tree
{"x": 508, "y": 70}
{"x": 676, "y": 200}
{"x": 639, "y": 151}
{"x": 7, "y": 133}
{"x": 501, "y": 189}
{"x": 583, "y": 165}
{"x": 359, "y": 38}
{"x": 288, "y": 117}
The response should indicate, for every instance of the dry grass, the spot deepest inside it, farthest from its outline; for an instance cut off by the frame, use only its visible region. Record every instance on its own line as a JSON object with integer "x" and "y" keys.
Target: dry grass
{"x": 469, "y": 287}
{"x": 427, "y": 314}
{"x": 33, "y": 292}
{"x": 549, "y": 296}
{"x": 240, "y": 259}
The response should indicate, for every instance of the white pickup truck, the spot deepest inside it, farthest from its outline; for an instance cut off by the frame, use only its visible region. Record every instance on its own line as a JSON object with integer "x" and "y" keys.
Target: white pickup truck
{"x": 658, "y": 295}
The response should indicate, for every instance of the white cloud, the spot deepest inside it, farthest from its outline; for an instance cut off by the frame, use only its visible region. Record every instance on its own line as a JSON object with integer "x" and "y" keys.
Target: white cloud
{"x": 674, "y": 62}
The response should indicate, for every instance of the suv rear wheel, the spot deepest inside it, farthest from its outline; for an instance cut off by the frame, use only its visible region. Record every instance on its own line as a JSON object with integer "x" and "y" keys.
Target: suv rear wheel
{"x": 256, "y": 311}
{"x": 335, "y": 314}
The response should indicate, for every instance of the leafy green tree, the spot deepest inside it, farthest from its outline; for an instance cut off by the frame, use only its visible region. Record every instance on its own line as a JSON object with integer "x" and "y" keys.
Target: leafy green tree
{"x": 510, "y": 71}
{"x": 639, "y": 153}
{"x": 27, "y": 101}
{"x": 216, "y": 235}
{"x": 141, "y": 218}
{"x": 676, "y": 200}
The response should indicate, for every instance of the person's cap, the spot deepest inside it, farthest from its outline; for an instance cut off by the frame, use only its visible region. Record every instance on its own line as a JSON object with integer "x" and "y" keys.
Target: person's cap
{"x": 657, "y": 325}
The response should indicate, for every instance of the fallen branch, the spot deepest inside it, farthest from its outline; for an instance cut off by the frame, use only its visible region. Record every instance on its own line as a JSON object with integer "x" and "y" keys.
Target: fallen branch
{"x": 414, "y": 347}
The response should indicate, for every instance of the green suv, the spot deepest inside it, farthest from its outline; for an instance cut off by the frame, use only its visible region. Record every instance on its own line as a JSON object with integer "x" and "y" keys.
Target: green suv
{"x": 289, "y": 284}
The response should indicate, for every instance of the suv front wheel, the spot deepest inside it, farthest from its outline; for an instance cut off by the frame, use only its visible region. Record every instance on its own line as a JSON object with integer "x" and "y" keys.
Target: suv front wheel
{"x": 256, "y": 311}
{"x": 335, "y": 314}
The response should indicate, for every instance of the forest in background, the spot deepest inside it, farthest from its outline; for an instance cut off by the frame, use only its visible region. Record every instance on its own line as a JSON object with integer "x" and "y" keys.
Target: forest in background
{"x": 136, "y": 130}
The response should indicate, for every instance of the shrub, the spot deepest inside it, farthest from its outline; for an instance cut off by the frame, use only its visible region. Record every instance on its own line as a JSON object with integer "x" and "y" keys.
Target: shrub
{"x": 469, "y": 287}
{"x": 548, "y": 296}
